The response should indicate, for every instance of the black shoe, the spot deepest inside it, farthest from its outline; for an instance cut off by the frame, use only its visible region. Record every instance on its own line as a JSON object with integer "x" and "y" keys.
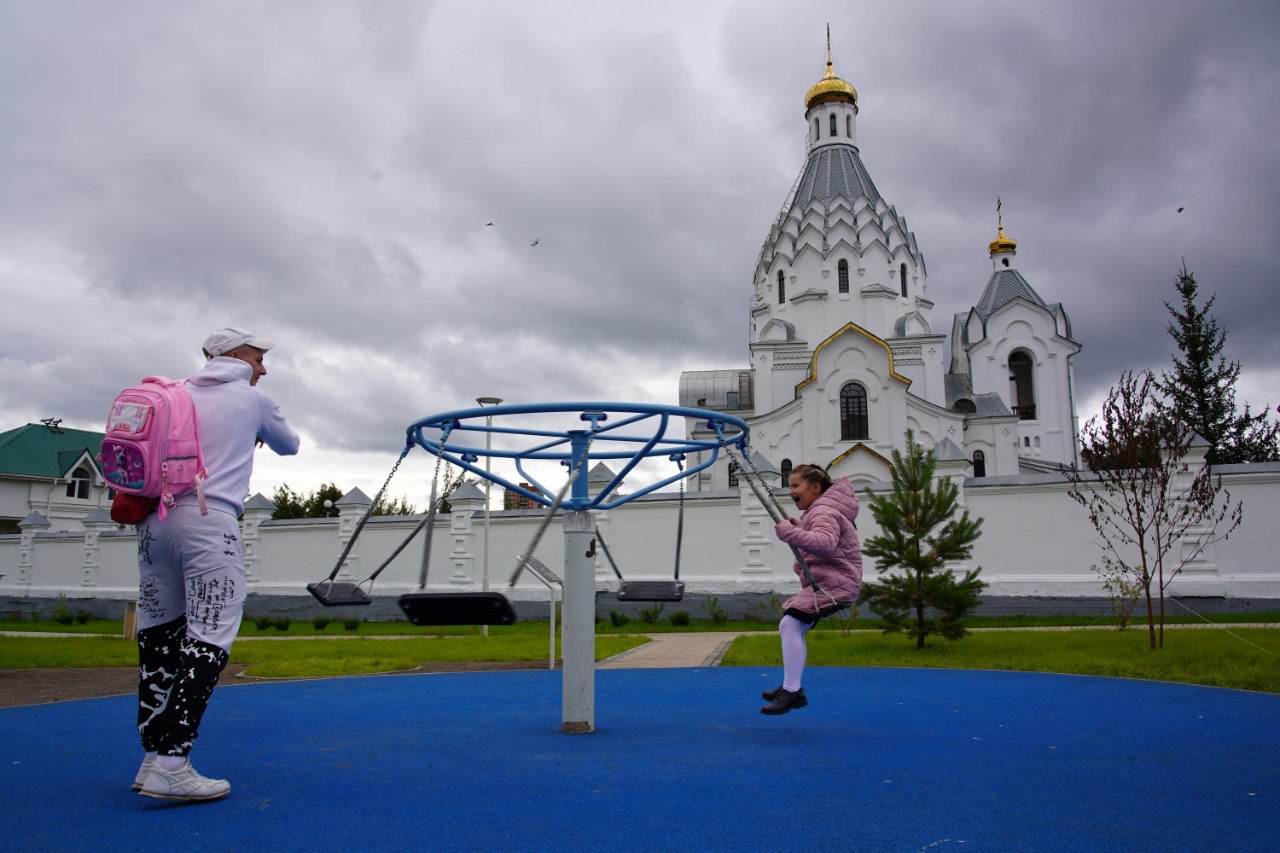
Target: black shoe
{"x": 770, "y": 695}
{"x": 785, "y": 701}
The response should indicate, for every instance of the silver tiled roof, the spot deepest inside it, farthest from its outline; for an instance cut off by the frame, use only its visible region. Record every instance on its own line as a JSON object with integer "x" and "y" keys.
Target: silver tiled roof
{"x": 1004, "y": 287}
{"x": 834, "y": 171}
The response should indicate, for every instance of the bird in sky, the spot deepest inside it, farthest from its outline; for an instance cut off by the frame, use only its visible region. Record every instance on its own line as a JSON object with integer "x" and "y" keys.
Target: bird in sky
{"x": 534, "y": 243}
{"x": 1181, "y": 209}
{"x": 487, "y": 224}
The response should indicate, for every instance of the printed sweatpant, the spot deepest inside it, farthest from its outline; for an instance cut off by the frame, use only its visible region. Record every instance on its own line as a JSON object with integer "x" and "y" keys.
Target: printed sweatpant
{"x": 191, "y": 594}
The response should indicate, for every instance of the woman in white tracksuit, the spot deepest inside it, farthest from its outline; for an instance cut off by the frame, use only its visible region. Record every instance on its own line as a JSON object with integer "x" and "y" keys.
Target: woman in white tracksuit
{"x": 191, "y": 586}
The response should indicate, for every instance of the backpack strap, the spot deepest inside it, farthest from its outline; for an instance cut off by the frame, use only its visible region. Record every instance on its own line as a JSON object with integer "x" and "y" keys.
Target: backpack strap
{"x": 201, "y": 473}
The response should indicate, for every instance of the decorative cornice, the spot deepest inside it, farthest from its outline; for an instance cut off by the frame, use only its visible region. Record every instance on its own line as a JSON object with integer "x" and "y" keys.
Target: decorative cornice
{"x": 855, "y": 328}
{"x": 859, "y": 447}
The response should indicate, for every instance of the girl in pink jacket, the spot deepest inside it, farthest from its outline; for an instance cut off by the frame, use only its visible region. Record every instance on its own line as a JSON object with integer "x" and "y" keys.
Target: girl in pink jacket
{"x": 827, "y": 538}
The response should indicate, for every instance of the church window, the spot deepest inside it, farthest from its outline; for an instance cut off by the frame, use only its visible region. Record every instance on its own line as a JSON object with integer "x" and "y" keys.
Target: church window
{"x": 902, "y": 278}
{"x": 786, "y": 472}
{"x": 733, "y": 475}
{"x": 842, "y": 271}
{"x": 1026, "y": 441}
{"x": 1022, "y": 386}
{"x": 78, "y": 485}
{"x": 1004, "y": 261}
{"x": 854, "y": 423}
{"x": 782, "y": 288}
{"x": 833, "y": 124}
{"x": 848, "y": 126}
{"x": 979, "y": 463}
{"x": 817, "y": 130}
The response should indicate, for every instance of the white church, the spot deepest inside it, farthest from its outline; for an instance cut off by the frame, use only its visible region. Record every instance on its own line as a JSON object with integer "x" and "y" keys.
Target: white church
{"x": 844, "y": 353}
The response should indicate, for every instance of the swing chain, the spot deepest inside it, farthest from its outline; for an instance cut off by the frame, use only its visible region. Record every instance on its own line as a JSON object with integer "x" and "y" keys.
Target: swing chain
{"x": 778, "y": 518}
{"x": 679, "y": 460}
{"x": 346, "y": 551}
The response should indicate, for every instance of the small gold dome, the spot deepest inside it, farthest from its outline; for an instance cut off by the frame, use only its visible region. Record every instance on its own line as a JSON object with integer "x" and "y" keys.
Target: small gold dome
{"x": 1002, "y": 243}
{"x": 830, "y": 88}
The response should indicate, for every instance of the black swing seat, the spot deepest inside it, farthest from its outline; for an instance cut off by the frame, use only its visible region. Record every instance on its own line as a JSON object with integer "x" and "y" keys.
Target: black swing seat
{"x": 651, "y": 591}
{"x": 338, "y": 593}
{"x": 457, "y": 608}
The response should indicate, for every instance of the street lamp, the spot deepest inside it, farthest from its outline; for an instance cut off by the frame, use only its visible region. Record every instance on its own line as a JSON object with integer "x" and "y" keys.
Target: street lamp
{"x": 488, "y": 438}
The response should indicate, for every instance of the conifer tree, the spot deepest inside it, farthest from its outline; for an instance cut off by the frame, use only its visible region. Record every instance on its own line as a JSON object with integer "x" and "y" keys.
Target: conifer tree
{"x": 1201, "y": 388}
{"x": 920, "y": 535}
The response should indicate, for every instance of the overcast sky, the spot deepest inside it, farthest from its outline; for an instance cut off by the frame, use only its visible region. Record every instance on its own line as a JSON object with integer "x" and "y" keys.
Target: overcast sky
{"x": 322, "y": 173}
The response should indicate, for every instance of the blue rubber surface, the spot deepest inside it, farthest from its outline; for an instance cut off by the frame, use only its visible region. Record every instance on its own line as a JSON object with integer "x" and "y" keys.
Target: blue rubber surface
{"x": 882, "y": 759}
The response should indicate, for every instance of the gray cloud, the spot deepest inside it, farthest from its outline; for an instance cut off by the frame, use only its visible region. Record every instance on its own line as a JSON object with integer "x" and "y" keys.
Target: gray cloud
{"x": 324, "y": 175}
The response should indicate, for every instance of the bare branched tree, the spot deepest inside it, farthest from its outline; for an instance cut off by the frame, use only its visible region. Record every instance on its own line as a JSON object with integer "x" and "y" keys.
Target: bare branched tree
{"x": 1154, "y": 503}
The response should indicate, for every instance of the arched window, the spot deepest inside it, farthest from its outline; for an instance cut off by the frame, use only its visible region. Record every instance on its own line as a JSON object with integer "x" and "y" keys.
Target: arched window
{"x": 782, "y": 288}
{"x": 78, "y": 485}
{"x": 833, "y": 124}
{"x": 817, "y": 130}
{"x": 848, "y": 126}
{"x": 979, "y": 463}
{"x": 1022, "y": 385}
{"x": 842, "y": 272}
{"x": 733, "y": 475}
{"x": 902, "y": 278}
{"x": 786, "y": 472}
{"x": 854, "y": 424}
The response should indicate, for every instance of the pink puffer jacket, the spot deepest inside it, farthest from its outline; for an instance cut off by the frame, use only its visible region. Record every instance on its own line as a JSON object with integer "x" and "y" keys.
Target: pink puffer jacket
{"x": 825, "y": 535}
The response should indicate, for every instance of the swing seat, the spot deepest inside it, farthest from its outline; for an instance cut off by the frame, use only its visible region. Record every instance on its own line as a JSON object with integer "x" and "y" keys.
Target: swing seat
{"x": 338, "y": 593}
{"x": 651, "y": 590}
{"x": 457, "y": 608}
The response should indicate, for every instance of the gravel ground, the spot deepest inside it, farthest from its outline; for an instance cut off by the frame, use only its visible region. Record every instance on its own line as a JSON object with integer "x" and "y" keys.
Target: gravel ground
{"x": 38, "y": 686}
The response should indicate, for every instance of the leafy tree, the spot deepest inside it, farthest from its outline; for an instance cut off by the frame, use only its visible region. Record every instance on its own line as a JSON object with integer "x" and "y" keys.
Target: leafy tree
{"x": 920, "y": 535}
{"x": 1153, "y": 511}
{"x": 397, "y": 506}
{"x": 291, "y": 504}
{"x": 1201, "y": 388}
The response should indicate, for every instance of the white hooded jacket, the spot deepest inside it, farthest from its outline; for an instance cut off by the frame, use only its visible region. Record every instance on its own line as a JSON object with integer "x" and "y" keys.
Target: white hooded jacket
{"x": 231, "y": 415}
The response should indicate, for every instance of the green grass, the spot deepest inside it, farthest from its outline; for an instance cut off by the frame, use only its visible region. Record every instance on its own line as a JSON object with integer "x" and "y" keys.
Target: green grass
{"x": 301, "y": 659}
{"x": 302, "y": 627}
{"x": 1211, "y": 657}
{"x": 61, "y": 652}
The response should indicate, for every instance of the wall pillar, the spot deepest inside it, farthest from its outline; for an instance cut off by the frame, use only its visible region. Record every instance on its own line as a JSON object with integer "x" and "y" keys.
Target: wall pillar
{"x": 29, "y": 527}
{"x": 757, "y": 534}
{"x": 95, "y": 524}
{"x": 351, "y": 508}
{"x": 465, "y": 502}
{"x": 256, "y": 510}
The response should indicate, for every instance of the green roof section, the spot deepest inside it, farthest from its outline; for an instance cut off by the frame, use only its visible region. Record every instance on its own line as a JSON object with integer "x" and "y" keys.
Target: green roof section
{"x": 36, "y": 450}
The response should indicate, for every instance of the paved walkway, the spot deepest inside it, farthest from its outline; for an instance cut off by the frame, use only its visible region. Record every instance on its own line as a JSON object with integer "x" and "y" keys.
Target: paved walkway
{"x": 667, "y": 651}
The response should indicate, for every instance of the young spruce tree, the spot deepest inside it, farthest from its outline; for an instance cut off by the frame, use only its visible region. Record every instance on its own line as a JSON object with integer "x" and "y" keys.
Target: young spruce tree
{"x": 920, "y": 536}
{"x": 1201, "y": 388}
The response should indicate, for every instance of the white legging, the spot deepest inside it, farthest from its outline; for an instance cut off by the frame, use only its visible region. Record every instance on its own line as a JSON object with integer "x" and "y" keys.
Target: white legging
{"x": 792, "y": 631}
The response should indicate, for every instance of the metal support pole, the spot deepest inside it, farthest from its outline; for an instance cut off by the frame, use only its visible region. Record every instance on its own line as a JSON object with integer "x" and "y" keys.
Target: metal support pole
{"x": 578, "y": 621}
{"x": 578, "y": 625}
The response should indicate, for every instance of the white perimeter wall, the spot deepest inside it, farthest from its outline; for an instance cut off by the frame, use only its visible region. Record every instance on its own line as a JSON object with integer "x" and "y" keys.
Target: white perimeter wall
{"x": 1036, "y": 542}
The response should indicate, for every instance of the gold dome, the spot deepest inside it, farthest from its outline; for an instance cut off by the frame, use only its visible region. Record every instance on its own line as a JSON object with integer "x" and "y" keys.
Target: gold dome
{"x": 1002, "y": 243}
{"x": 830, "y": 88}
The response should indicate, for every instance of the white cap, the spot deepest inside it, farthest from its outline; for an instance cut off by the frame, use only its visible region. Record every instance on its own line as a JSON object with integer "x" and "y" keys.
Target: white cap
{"x": 225, "y": 340}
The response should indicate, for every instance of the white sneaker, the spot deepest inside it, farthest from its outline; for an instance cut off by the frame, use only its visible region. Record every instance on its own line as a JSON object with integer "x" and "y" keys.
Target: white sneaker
{"x": 182, "y": 784}
{"x": 143, "y": 770}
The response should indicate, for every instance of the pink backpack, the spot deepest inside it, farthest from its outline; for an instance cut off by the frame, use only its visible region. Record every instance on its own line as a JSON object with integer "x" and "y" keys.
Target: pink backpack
{"x": 152, "y": 445}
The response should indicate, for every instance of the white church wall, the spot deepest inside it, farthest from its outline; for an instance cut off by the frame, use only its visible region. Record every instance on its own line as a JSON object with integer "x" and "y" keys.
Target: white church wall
{"x": 1036, "y": 544}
